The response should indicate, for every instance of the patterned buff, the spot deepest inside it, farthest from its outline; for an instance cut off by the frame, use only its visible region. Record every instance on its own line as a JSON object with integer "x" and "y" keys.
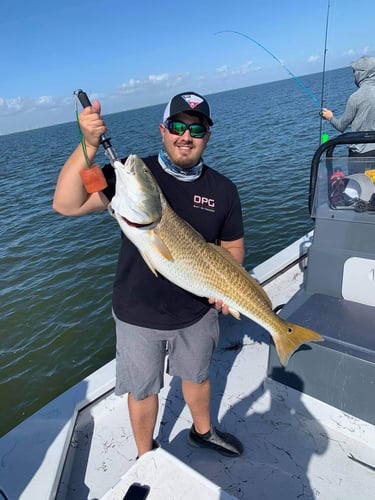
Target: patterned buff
{"x": 186, "y": 175}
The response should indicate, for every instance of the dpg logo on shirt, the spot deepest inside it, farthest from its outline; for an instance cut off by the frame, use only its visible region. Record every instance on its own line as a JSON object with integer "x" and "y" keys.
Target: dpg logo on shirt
{"x": 203, "y": 203}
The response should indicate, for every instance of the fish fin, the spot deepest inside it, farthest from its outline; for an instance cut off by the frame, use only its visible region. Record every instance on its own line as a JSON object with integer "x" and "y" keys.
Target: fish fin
{"x": 229, "y": 257}
{"x": 160, "y": 246}
{"x": 291, "y": 338}
{"x": 234, "y": 313}
{"x": 149, "y": 263}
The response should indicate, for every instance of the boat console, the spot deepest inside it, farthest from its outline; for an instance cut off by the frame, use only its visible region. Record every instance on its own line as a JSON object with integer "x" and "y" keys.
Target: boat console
{"x": 338, "y": 295}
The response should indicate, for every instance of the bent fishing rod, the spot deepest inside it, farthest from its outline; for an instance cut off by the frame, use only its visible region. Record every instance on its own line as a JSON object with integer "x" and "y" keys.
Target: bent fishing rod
{"x": 296, "y": 79}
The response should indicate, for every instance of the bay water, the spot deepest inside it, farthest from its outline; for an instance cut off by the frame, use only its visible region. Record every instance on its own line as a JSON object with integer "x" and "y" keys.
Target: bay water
{"x": 56, "y": 272}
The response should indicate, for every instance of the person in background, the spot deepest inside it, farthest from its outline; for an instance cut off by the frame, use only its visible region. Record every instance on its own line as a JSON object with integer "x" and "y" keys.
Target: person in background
{"x": 359, "y": 113}
{"x": 154, "y": 318}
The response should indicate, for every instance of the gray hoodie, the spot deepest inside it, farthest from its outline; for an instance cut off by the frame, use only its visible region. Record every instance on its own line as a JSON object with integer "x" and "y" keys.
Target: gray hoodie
{"x": 360, "y": 109}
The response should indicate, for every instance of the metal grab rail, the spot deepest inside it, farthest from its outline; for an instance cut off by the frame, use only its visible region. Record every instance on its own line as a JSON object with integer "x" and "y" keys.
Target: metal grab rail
{"x": 328, "y": 147}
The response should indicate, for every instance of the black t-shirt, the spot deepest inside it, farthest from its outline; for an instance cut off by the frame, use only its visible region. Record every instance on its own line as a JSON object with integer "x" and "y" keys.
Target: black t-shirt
{"x": 212, "y": 206}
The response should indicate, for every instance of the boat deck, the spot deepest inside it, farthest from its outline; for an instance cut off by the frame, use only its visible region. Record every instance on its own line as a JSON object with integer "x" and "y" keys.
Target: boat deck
{"x": 294, "y": 444}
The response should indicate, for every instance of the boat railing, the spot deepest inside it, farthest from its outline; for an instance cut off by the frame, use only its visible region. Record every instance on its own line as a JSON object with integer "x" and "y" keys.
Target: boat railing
{"x": 342, "y": 182}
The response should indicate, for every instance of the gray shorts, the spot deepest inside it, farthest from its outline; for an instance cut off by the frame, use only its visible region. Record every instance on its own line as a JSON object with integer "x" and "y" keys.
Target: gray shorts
{"x": 141, "y": 353}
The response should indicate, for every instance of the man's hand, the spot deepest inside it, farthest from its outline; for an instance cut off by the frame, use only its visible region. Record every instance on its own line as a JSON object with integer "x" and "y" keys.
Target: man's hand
{"x": 219, "y": 305}
{"x": 326, "y": 114}
{"x": 92, "y": 124}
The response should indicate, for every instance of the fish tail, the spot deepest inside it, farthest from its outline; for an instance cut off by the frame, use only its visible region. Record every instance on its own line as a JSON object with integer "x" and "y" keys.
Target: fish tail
{"x": 292, "y": 337}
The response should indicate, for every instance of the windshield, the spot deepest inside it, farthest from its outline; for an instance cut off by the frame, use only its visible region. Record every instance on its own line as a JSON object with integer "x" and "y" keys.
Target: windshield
{"x": 342, "y": 186}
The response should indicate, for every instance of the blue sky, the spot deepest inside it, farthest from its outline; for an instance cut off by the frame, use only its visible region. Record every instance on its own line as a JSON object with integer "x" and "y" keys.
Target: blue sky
{"x": 132, "y": 54}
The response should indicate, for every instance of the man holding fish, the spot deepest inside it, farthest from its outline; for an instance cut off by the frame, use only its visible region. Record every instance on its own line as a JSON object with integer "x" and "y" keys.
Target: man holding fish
{"x": 154, "y": 317}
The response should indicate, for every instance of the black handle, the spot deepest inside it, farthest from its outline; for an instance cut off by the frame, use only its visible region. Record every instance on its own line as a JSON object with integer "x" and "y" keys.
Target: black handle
{"x": 104, "y": 141}
{"x": 83, "y": 99}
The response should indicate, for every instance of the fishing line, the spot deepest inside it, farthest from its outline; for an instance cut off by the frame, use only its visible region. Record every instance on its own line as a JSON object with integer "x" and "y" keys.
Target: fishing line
{"x": 296, "y": 79}
{"x": 82, "y": 139}
{"x": 323, "y": 136}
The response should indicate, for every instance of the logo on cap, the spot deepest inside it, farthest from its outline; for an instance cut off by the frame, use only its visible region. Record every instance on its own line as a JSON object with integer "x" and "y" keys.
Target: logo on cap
{"x": 192, "y": 100}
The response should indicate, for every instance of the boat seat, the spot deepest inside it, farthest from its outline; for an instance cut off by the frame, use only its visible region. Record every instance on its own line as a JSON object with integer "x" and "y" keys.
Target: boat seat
{"x": 340, "y": 370}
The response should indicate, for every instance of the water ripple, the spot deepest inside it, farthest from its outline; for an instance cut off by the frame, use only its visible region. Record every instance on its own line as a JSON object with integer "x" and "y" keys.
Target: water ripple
{"x": 57, "y": 272}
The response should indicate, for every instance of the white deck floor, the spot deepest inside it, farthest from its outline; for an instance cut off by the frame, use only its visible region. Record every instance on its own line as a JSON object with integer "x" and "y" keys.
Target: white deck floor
{"x": 295, "y": 446}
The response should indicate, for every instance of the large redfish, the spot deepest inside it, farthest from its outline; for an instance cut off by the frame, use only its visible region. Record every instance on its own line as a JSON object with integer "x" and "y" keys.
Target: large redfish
{"x": 171, "y": 247}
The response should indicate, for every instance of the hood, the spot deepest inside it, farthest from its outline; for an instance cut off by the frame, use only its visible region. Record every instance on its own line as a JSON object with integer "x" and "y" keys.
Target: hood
{"x": 363, "y": 69}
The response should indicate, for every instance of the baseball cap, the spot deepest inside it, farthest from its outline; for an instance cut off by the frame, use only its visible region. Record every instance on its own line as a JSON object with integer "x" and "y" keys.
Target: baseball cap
{"x": 187, "y": 101}
{"x": 359, "y": 186}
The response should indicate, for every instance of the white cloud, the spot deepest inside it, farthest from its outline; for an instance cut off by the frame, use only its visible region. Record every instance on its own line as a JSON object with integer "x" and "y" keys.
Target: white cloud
{"x": 243, "y": 69}
{"x": 16, "y": 105}
{"x": 11, "y": 106}
{"x": 158, "y": 78}
{"x": 313, "y": 59}
{"x": 163, "y": 79}
{"x": 358, "y": 52}
{"x": 223, "y": 70}
{"x": 44, "y": 100}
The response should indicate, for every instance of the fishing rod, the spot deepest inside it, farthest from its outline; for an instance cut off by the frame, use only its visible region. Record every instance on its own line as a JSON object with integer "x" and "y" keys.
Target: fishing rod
{"x": 323, "y": 136}
{"x": 109, "y": 151}
{"x": 296, "y": 79}
{"x": 92, "y": 177}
